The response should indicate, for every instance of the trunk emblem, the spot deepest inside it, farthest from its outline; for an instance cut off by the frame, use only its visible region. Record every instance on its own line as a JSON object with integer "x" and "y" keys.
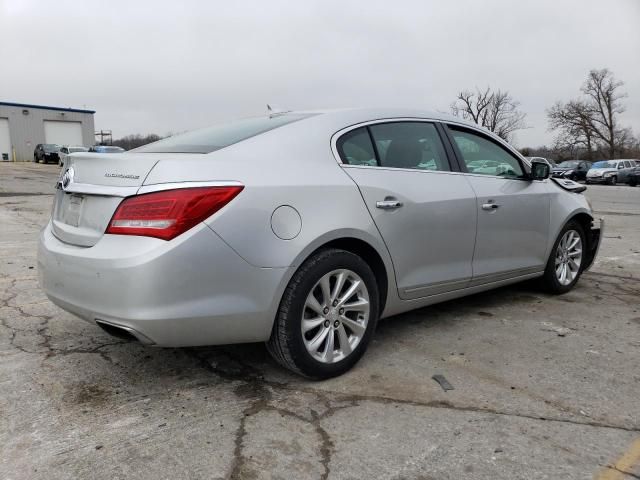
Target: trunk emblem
{"x": 66, "y": 179}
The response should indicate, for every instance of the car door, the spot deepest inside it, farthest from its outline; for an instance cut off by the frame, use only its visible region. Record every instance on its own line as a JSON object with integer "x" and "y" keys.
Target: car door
{"x": 625, "y": 170}
{"x": 424, "y": 212}
{"x": 513, "y": 211}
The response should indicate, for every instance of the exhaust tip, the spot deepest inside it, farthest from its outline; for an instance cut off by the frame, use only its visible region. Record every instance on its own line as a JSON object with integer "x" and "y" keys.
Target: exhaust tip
{"x": 124, "y": 333}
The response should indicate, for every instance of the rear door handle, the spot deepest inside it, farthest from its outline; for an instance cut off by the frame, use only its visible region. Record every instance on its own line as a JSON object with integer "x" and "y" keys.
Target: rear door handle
{"x": 490, "y": 206}
{"x": 388, "y": 204}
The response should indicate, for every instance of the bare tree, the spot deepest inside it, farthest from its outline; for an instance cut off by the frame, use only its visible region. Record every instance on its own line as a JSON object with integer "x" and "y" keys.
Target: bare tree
{"x": 574, "y": 121}
{"x": 495, "y": 110}
{"x": 603, "y": 94}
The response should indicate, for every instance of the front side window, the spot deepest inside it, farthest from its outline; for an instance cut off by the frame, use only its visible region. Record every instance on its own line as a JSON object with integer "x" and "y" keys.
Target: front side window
{"x": 485, "y": 157}
{"x": 415, "y": 145}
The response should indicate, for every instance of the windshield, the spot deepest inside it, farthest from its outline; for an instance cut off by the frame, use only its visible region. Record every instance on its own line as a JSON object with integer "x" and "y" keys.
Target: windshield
{"x": 77, "y": 149}
{"x": 210, "y": 139}
{"x": 568, "y": 164}
{"x": 51, "y": 146}
{"x": 604, "y": 164}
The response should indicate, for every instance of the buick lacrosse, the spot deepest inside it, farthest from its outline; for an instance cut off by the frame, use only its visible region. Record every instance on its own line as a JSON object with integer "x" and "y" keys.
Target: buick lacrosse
{"x": 302, "y": 229}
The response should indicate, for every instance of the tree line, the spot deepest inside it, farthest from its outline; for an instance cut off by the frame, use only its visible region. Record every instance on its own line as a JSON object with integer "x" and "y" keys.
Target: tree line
{"x": 586, "y": 127}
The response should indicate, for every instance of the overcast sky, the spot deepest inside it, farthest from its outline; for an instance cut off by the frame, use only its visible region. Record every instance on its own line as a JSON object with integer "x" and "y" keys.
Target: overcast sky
{"x": 158, "y": 66}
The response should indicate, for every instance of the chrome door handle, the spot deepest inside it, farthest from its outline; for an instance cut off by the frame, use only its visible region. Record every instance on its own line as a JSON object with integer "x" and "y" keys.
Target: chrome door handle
{"x": 388, "y": 204}
{"x": 490, "y": 206}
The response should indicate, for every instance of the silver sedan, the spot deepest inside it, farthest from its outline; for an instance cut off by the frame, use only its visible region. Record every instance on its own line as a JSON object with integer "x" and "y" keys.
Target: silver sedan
{"x": 303, "y": 229}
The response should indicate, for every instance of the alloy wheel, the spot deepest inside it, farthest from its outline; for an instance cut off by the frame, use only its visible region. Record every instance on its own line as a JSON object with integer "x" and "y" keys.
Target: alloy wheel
{"x": 568, "y": 257}
{"x": 335, "y": 316}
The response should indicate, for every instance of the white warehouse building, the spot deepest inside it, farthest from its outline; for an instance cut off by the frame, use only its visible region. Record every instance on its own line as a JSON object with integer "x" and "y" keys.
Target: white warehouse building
{"x": 24, "y": 126}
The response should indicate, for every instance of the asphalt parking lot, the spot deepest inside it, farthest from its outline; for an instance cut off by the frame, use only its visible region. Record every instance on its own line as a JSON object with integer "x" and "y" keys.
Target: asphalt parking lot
{"x": 544, "y": 387}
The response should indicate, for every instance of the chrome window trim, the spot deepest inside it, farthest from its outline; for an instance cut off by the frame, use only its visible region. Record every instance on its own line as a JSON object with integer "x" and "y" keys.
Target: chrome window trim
{"x": 336, "y": 136}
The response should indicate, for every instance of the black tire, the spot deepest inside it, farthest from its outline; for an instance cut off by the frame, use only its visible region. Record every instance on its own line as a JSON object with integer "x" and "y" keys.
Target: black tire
{"x": 632, "y": 183}
{"x": 613, "y": 180}
{"x": 286, "y": 344}
{"x": 550, "y": 281}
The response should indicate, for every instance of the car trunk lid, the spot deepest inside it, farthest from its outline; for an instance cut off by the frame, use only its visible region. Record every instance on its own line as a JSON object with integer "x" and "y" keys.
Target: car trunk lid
{"x": 89, "y": 190}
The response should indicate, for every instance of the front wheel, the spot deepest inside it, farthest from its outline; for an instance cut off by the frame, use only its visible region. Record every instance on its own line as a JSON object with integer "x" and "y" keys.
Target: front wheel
{"x": 327, "y": 315}
{"x": 613, "y": 180}
{"x": 564, "y": 266}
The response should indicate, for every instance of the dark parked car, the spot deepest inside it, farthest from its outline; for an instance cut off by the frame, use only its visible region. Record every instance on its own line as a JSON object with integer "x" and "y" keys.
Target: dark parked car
{"x": 572, "y": 169}
{"x": 46, "y": 152}
{"x": 106, "y": 149}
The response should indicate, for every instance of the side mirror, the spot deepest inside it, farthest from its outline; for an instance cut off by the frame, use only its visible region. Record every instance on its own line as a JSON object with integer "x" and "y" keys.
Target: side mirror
{"x": 539, "y": 170}
{"x": 620, "y": 166}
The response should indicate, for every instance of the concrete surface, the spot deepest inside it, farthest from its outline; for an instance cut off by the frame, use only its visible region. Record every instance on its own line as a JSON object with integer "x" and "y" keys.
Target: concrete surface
{"x": 545, "y": 387}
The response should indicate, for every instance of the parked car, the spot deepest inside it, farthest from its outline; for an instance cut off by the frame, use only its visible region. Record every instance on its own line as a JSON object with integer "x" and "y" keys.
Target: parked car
{"x": 611, "y": 171}
{"x": 46, "y": 152}
{"x": 551, "y": 163}
{"x": 634, "y": 175}
{"x": 256, "y": 231}
{"x": 106, "y": 149}
{"x": 67, "y": 149}
{"x": 572, "y": 169}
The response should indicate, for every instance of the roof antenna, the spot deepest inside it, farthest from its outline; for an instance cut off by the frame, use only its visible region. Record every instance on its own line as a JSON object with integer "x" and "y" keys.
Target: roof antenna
{"x": 275, "y": 110}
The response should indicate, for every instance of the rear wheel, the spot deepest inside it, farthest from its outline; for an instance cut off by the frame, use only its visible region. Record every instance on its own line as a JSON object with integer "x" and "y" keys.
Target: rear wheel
{"x": 564, "y": 266}
{"x": 327, "y": 315}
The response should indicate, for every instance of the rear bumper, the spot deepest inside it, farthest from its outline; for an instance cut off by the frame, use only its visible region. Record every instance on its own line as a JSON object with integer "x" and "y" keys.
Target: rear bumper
{"x": 193, "y": 290}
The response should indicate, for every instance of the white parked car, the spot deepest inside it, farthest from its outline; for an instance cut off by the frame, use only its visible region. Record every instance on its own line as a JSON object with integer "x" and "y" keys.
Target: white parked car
{"x": 67, "y": 149}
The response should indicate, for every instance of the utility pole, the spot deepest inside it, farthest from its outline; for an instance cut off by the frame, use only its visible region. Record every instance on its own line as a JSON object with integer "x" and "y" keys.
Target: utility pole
{"x": 104, "y": 134}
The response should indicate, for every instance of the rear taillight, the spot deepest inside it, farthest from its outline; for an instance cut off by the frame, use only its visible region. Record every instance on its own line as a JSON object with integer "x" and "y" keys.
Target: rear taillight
{"x": 169, "y": 213}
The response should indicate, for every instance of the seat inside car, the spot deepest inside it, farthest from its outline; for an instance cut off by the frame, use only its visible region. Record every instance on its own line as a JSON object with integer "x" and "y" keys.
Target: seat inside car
{"x": 403, "y": 152}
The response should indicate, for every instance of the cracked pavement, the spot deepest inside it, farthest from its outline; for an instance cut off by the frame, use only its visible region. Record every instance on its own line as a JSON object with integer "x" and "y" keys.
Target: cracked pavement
{"x": 544, "y": 387}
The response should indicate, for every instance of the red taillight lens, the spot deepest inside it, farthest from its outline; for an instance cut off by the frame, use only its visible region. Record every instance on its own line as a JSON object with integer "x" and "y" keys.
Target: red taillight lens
{"x": 169, "y": 213}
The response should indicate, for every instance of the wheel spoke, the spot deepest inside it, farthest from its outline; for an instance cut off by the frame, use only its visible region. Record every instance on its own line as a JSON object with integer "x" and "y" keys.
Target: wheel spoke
{"x": 328, "y": 349}
{"x": 354, "y": 326}
{"x": 360, "y": 305}
{"x": 326, "y": 290}
{"x": 312, "y": 304}
{"x": 575, "y": 253}
{"x": 315, "y": 343}
{"x": 311, "y": 323}
{"x": 574, "y": 243}
{"x": 345, "y": 346}
{"x": 337, "y": 288}
{"x": 574, "y": 265}
{"x": 349, "y": 293}
{"x": 563, "y": 274}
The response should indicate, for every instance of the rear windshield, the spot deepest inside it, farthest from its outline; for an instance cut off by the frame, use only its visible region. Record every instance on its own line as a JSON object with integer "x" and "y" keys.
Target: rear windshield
{"x": 210, "y": 139}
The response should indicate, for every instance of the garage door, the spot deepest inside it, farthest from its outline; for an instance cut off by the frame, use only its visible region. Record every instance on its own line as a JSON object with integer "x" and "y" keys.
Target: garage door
{"x": 5, "y": 140}
{"x": 63, "y": 133}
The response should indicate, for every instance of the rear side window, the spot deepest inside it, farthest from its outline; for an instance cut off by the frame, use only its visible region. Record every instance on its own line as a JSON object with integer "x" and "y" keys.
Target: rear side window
{"x": 355, "y": 148}
{"x": 485, "y": 157}
{"x": 210, "y": 139}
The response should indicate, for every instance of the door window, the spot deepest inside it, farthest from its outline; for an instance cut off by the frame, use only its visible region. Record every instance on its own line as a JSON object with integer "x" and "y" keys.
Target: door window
{"x": 415, "y": 145}
{"x": 355, "y": 148}
{"x": 485, "y": 157}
